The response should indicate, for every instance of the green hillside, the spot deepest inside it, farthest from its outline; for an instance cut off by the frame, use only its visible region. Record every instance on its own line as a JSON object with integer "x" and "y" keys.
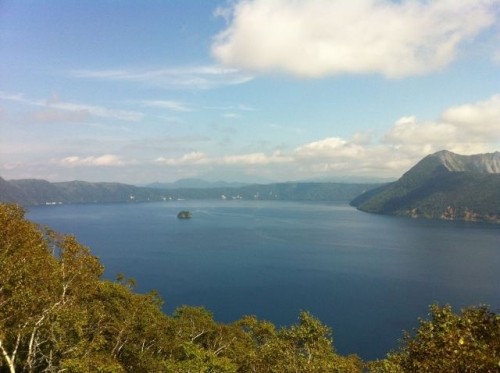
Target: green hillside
{"x": 443, "y": 185}
{"x": 40, "y": 192}
{"x": 30, "y": 192}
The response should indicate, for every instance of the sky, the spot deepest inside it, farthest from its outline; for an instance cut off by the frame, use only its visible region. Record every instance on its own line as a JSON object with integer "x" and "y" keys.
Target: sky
{"x": 249, "y": 91}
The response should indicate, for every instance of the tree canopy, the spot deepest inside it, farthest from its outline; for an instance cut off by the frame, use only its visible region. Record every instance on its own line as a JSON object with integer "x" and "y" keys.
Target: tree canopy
{"x": 57, "y": 313}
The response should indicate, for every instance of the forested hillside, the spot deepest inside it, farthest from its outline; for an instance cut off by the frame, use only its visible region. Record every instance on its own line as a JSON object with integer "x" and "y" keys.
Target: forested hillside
{"x": 40, "y": 192}
{"x": 58, "y": 314}
{"x": 443, "y": 185}
{"x": 29, "y": 192}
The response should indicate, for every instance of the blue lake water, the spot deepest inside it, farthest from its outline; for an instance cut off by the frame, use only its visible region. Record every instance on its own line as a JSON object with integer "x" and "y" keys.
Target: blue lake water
{"x": 367, "y": 276}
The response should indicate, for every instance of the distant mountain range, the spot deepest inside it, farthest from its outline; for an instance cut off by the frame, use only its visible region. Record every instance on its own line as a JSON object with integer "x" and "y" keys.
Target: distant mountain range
{"x": 443, "y": 185}
{"x": 40, "y": 192}
{"x": 196, "y": 184}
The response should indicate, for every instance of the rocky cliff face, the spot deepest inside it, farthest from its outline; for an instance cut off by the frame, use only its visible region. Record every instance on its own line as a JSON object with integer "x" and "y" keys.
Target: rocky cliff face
{"x": 484, "y": 163}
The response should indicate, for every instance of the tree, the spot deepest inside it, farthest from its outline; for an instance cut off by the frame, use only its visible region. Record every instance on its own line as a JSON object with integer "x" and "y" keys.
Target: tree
{"x": 449, "y": 342}
{"x": 58, "y": 314}
{"x": 303, "y": 347}
{"x": 29, "y": 293}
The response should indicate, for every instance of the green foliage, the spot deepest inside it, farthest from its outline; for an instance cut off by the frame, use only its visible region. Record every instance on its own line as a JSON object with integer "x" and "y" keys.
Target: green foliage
{"x": 304, "y": 347}
{"x": 448, "y": 342}
{"x": 57, "y": 314}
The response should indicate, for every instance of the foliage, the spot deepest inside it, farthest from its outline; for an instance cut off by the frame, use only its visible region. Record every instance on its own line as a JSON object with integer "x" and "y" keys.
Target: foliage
{"x": 58, "y": 314}
{"x": 469, "y": 342}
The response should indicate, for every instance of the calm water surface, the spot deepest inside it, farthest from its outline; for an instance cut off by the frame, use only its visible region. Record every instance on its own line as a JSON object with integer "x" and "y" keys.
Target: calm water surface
{"x": 367, "y": 276}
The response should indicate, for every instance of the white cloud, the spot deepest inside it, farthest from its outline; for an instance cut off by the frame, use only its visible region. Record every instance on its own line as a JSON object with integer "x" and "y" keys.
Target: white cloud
{"x": 190, "y": 77}
{"x": 405, "y": 132}
{"x": 322, "y": 37}
{"x": 78, "y": 110}
{"x": 231, "y": 116}
{"x": 168, "y": 104}
{"x": 480, "y": 120}
{"x": 250, "y": 159}
{"x": 464, "y": 129}
{"x": 362, "y": 138}
{"x": 256, "y": 159}
{"x": 329, "y": 147}
{"x": 193, "y": 158}
{"x": 98, "y": 111}
{"x": 231, "y": 111}
{"x": 19, "y": 97}
{"x": 107, "y": 160}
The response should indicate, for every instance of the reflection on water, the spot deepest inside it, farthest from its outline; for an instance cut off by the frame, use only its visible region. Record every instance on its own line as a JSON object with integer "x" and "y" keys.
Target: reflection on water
{"x": 367, "y": 276}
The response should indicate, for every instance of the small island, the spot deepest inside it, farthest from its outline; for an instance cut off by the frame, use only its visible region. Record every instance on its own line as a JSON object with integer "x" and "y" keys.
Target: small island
{"x": 184, "y": 215}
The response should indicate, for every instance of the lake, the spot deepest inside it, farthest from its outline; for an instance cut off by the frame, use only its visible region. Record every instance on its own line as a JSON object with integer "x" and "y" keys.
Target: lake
{"x": 367, "y": 276}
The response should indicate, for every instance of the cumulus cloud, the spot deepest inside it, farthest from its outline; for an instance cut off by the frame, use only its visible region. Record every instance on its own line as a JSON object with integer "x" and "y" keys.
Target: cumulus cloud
{"x": 106, "y": 160}
{"x": 276, "y": 157}
{"x": 192, "y": 158}
{"x": 469, "y": 128}
{"x": 184, "y": 77}
{"x": 464, "y": 129}
{"x": 331, "y": 146}
{"x": 409, "y": 131}
{"x": 199, "y": 158}
{"x": 316, "y": 38}
{"x": 480, "y": 120}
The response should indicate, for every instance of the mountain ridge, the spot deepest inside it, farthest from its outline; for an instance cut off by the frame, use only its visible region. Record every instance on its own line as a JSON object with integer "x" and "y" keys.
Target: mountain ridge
{"x": 443, "y": 185}
{"x": 29, "y": 192}
{"x": 484, "y": 163}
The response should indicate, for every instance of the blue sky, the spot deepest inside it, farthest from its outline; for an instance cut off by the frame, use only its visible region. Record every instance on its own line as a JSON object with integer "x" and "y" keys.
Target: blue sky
{"x": 255, "y": 91}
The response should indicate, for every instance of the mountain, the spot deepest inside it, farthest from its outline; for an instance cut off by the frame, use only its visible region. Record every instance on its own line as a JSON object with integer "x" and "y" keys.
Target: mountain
{"x": 443, "y": 185}
{"x": 10, "y": 192}
{"x": 30, "y": 192}
{"x": 277, "y": 192}
{"x": 40, "y": 192}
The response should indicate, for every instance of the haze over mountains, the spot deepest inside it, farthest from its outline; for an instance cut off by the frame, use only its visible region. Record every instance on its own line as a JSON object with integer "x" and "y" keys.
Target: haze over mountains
{"x": 41, "y": 192}
{"x": 195, "y": 183}
{"x": 443, "y": 185}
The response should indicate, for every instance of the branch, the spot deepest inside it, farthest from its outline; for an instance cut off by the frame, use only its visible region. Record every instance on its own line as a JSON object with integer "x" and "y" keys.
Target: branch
{"x": 199, "y": 335}
{"x": 8, "y": 359}
{"x": 222, "y": 348}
